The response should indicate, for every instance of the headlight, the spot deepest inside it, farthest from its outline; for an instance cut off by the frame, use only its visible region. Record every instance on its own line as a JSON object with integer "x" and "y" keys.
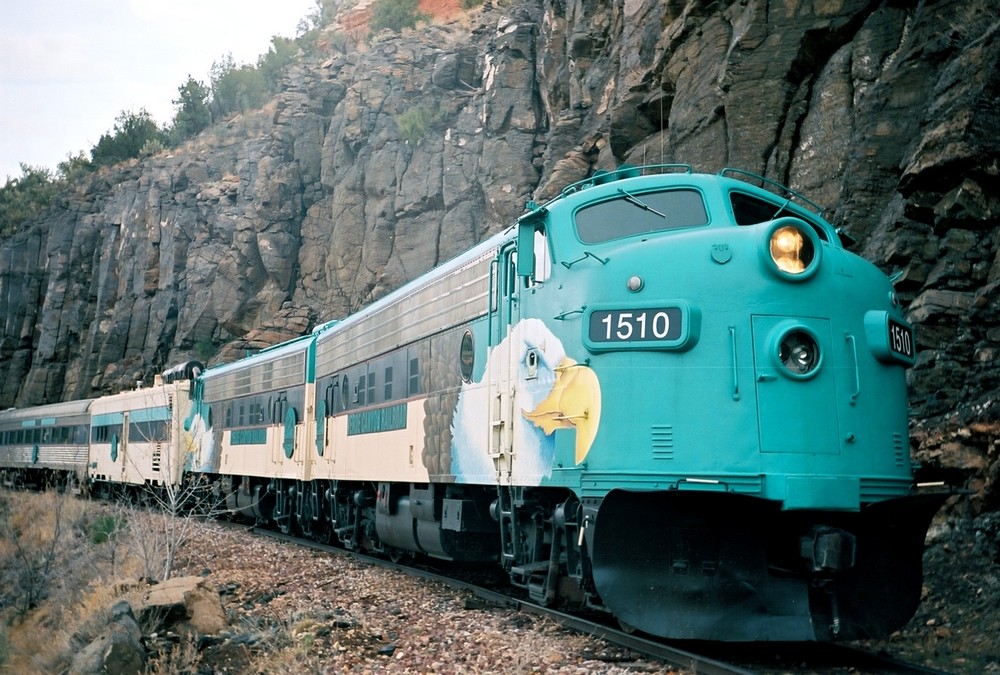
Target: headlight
{"x": 799, "y": 352}
{"x": 792, "y": 248}
{"x": 791, "y": 251}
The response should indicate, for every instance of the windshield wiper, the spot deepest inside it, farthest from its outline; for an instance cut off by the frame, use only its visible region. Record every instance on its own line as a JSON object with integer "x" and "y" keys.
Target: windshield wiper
{"x": 632, "y": 199}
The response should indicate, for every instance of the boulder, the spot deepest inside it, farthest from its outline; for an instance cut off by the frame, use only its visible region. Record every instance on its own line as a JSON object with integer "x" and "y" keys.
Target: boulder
{"x": 118, "y": 650}
{"x": 184, "y": 605}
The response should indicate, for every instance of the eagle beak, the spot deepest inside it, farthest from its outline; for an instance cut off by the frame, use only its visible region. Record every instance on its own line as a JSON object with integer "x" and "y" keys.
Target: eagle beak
{"x": 574, "y": 402}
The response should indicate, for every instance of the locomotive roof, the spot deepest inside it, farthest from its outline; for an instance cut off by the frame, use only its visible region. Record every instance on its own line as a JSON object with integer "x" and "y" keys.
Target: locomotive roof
{"x": 680, "y": 173}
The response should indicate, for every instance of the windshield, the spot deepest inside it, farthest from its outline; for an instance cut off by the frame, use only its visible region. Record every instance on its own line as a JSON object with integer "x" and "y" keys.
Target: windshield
{"x": 750, "y": 210}
{"x": 640, "y": 213}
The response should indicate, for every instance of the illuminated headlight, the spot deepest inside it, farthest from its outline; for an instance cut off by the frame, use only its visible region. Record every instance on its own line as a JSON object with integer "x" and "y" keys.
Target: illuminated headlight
{"x": 793, "y": 248}
{"x": 798, "y": 352}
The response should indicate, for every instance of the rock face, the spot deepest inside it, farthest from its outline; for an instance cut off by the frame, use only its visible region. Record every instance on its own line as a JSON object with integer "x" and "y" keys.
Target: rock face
{"x": 374, "y": 165}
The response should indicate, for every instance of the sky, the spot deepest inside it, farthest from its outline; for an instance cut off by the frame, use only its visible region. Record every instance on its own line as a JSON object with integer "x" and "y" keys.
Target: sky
{"x": 68, "y": 68}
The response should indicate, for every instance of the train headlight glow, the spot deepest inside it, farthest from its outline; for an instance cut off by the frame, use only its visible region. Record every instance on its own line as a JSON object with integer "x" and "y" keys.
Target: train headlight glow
{"x": 792, "y": 249}
{"x": 787, "y": 244}
{"x": 799, "y": 352}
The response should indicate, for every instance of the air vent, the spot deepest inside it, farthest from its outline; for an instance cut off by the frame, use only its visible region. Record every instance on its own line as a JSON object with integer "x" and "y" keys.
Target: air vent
{"x": 900, "y": 448}
{"x": 663, "y": 441}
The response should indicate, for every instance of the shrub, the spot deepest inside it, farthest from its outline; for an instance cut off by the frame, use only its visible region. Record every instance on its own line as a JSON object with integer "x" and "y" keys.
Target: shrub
{"x": 38, "y": 540}
{"x": 132, "y": 132}
{"x": 413, "y": 123}
{"x": 395, "y": 15}
{"x": 106, "y": 528}
{"x": 74, "y": 167}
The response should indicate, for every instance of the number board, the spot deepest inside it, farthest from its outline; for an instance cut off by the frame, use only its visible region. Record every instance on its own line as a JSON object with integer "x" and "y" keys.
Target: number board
{"x": 663, "y": 327}
{"x": 900, "y": 339}
{"x": 890, "y": 339}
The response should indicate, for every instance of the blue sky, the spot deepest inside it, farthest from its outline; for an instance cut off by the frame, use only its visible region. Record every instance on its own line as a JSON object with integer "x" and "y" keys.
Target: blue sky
{"x": 68, "y": 68}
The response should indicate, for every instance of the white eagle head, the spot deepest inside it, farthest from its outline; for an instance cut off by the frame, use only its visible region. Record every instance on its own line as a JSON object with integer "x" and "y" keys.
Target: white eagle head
{"x": 551, "y": 391}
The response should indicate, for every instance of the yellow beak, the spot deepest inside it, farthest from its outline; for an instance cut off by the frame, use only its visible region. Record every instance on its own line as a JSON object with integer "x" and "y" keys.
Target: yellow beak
{"x": 574, "y": 402}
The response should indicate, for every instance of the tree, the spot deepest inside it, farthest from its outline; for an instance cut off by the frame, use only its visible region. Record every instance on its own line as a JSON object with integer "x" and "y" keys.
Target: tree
{"x": 272, "y": 65}
{"x": 132, "y": 132}
{"x": 74, "y": 167}
{"x": 25, "y": 197}
{"x": 236, "y": 88}
{"x": 193, "y": 114}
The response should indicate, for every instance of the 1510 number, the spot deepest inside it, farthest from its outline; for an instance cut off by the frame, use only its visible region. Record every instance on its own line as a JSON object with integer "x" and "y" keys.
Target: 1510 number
{"x": 661, "y": 324}
{"x": 900, "y": 339}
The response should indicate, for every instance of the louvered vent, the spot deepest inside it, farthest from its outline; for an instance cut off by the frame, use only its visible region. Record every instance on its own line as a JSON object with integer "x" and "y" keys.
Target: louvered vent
{"x": 663, "y": 441}
{"x": 900, "y": 448}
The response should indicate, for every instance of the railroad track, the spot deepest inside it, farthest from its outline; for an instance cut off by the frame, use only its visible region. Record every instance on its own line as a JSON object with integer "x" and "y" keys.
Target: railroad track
{"x": 700, "y": 657}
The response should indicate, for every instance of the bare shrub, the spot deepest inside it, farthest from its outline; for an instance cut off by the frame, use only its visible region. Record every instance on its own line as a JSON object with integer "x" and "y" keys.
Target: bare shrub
{"x": 156, "y": 534}
{"x": 181, "y": 657}
{"x": 39, "y": 535}
{"x": 54, "y": 569}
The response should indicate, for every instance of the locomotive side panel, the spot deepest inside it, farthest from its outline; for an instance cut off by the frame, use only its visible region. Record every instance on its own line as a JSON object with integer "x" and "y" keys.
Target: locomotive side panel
{"x": 391, "y": 415}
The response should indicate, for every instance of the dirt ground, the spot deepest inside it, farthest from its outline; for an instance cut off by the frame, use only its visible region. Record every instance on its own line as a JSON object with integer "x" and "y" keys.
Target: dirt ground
{"x": 957, "y": 625}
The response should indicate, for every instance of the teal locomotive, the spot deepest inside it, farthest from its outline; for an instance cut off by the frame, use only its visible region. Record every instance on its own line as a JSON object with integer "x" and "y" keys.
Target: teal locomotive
{"x": 674, "y": 397}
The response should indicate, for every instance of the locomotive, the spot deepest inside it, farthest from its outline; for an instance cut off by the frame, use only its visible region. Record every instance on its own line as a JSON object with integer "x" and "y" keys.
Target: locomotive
{"x": 671, "y": 396}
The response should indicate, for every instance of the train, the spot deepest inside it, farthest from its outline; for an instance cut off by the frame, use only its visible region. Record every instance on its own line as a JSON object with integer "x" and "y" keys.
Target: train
{"x": 670, "y": 396}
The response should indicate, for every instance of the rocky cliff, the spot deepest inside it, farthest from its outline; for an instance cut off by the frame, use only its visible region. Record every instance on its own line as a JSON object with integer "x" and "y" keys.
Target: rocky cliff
{"x": 380, "y": 161}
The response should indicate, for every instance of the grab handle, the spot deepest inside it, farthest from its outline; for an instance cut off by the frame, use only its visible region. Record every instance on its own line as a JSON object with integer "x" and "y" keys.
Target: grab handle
{"x": 857, "y": 373}
{"x": 736, "y": 372}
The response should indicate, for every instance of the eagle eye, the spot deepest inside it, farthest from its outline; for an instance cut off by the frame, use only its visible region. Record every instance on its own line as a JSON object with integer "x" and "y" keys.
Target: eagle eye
{"x": 531, "y": 362}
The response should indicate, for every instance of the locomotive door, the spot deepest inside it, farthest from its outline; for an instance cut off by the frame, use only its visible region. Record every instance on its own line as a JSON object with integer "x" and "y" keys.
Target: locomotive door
{"x": 797, "y": 405}
{"x": 502, "y": 364}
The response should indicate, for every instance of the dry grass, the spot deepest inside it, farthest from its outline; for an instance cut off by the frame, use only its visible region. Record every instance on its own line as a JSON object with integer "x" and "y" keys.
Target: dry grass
{"x": 64, "y": 563}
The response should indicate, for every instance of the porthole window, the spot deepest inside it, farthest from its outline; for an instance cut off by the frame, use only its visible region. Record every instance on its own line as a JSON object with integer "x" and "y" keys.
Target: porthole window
{"x": 467, "y": 357}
